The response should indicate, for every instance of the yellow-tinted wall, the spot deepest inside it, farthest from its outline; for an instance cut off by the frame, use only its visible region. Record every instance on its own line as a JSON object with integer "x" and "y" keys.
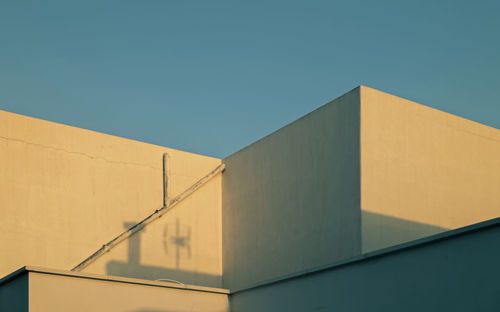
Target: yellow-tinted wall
{"x": 183, "y": 245}
{"x": 423, "y": 171}
{"x": 54, "y": 293}
{"x": 291, "y": 199}
{"x": 65, "y": 191}
{"x": 367, "y": 171}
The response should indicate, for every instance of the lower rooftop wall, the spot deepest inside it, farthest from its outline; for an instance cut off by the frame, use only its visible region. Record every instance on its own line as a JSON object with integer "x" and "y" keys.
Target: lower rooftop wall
{"x": 55, "y": 291}
{"x": 14, "y": 293}
{"x": 452, "y": 271}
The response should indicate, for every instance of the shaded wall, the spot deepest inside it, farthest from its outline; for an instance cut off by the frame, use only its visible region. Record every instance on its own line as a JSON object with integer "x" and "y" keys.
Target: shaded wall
{"x": 423, "y": 166}
{"x": 14, "y": 294}
{"x": 66, "y": 191}
{"x": 291, "y": 199}
{"x": 382, "y": 231}
{"x": 455, "y": 274}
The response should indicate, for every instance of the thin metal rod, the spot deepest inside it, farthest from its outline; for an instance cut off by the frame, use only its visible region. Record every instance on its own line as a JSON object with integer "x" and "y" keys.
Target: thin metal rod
{"x": 155, "y": 215}
{"x": 165, "y": 179}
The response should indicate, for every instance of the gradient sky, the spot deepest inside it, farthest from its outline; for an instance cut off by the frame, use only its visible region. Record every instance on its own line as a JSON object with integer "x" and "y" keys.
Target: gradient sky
{"x": 211, "y": 77}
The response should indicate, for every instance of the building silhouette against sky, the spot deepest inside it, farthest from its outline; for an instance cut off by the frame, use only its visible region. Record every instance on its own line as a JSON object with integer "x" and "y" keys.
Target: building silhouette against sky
{"x": 371, "y": 202}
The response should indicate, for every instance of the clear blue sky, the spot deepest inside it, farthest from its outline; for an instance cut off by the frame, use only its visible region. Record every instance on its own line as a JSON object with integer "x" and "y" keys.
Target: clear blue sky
{"x": 211, "y": 77}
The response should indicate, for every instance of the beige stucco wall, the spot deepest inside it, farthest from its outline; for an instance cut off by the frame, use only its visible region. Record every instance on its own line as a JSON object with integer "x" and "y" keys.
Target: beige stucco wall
{"x": 65, "y": 191}
{"x": 423, "y": 171}
{"x": 291, "y": 199}
{"x": 48, "y": 292}
{"x": 183, "y": 245}
{"x": 367, "y": 171}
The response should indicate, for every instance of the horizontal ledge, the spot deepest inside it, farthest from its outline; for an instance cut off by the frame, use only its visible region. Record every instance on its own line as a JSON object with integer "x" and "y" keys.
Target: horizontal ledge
{"x": 109, "y": 278}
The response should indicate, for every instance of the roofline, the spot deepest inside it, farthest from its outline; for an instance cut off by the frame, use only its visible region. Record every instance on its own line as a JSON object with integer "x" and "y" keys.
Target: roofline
{"x": 109, "y": 135}
{"x": 292, "y": 122}
{"x": 36, "y": 269}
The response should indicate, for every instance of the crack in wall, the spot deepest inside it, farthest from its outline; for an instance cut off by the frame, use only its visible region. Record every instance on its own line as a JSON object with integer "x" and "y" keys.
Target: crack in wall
{"x": 79, "y": 153}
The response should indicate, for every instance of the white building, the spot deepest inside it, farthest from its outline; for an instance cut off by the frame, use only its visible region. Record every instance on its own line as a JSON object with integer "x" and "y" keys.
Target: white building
{"x": 369, "y": 203}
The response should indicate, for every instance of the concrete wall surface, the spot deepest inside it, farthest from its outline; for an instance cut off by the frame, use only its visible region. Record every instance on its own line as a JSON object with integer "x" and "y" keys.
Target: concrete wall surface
{"x": 458, "y": 273}
{"x": 14, "y": 294}
{"x": 183, "y": 245}
{"x": 423, "y": 171}
{"x": 66, "y": 191}
{"x": 291, "y": 199}
{"x": 366, "y": 171}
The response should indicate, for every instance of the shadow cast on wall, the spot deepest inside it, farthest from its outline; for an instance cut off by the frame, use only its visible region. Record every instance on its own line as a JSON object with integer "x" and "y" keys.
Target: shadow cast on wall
{"x": 381, "y": 231}
{"x": 176, "y": 238}
{"x": 378, "y": 232}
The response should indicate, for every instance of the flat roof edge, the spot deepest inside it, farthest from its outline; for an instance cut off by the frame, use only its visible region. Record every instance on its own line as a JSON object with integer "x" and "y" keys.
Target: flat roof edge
{"x": 292, "y": 122}
{"x": 7, "y": 278}
{"x": 36, "y": 269}
{"x": 109, "y": 135}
